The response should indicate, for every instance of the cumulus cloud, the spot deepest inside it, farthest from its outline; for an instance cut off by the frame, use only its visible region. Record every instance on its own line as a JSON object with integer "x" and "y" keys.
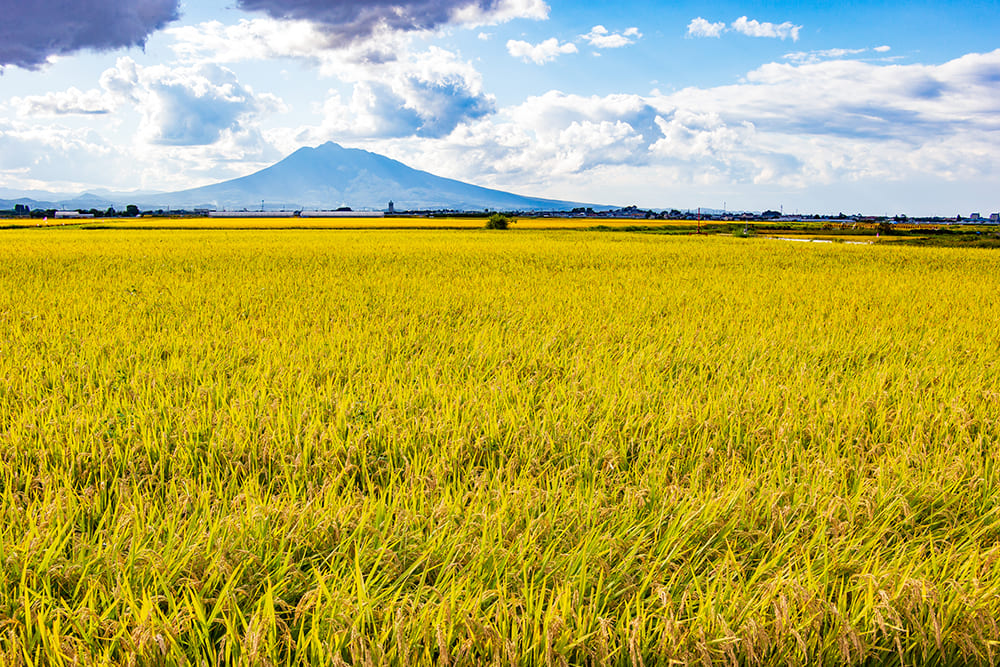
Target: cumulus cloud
{"x": 693, "y": 134}
{"x": 194, "y": 108}
{"x": 601, "y": 38}
{"x": 121, "y": 81}
{"x": 185, "y": 106}
{"x": 32, "y": 32}
{"x": 550, "y": 114}
{"x": 424, "y": 94}
{"x": 64, "y": 103}
{"x": 699, "y": 27}
{"x": 883, "y": 49}
{"x": 349, "y": 20}
{"x": 841, "y": 120}
{"x": 755, "y": 28}
{"x": 546, "y": 138}
{"x": 376, "y": 110}
{"x": 435, "y": 87}
{"x": 540, "y": 53}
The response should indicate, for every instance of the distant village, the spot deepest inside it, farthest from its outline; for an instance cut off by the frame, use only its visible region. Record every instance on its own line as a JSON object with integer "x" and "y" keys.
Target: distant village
{"x": 628, "y": 212}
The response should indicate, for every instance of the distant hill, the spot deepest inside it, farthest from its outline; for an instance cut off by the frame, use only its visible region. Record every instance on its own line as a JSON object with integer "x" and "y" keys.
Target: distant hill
{"x": 41, "y": 200}
{"x": 328, "y": 176}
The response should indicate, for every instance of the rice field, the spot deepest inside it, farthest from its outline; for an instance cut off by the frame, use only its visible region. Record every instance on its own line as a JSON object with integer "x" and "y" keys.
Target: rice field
{"x": 399, "y": 222}
{"x": 407, "y": 447}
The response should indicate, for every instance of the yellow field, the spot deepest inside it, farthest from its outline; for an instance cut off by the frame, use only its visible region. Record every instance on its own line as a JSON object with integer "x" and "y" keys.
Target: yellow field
{"x": 341, "y": 223}
{"x": 413, "y": 447}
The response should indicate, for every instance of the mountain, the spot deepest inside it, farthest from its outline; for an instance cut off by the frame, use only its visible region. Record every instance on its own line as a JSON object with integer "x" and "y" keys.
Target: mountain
{"x": 330, "y": 176}
{"x": 325, "y": 177}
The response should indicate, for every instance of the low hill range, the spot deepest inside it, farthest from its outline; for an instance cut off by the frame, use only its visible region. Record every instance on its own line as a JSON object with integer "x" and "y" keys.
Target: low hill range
{"x": 324, "y": 177}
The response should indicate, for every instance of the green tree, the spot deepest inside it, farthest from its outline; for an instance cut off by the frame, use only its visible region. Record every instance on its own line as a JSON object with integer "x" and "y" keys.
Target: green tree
{"x": 498, "y": 221}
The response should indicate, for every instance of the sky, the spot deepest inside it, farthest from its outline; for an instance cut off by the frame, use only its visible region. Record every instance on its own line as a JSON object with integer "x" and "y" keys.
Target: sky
{"x": 881, "y": 108}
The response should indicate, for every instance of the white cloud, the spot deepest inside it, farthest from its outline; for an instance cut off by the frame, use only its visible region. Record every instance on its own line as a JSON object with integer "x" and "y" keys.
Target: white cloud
{"x": 64, "y": 103}
{"x": 692, "y": 134}
{"x": 700, "y": 27}
{"x": 122, "y": 80}
{"x": 541, "y": 53}
{"x": 601, "y": 38}
{"x": 427, "y": 95}
{"x": 187, "y": 106}
{"x": 883, "y": 49}
{"x": 37, "y": 156}
{"x": 588, "y": 144}
{"x": 804, "y": 57}
{"x": 755, "y": 28}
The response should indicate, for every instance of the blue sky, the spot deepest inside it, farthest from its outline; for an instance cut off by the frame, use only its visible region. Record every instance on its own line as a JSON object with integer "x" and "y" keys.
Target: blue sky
{"x": 876, "y": 107}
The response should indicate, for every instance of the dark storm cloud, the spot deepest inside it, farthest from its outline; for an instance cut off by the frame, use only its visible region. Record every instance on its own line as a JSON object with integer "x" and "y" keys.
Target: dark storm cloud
{"x": 350, "y": 19}
{"x": 33, "y": 30}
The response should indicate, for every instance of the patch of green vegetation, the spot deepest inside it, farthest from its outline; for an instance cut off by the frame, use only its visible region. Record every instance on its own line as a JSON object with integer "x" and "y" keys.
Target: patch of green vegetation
{"x": 641, "y": 228}
{"x": 956, "y": 240}
{"x": 671, "y": 230}
{"x": 498, "y": 221}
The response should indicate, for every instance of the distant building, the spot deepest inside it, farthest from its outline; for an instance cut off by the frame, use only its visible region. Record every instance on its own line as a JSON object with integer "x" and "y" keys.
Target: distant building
{"x": 392, "y": 207}
{"x": 251, "y": 214}
{"x": 342, "y": 214}
{"x": 974, "y": 217}
{"x": 994, "y": 217}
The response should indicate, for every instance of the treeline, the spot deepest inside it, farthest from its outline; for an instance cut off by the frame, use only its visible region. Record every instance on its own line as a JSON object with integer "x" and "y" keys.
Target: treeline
{"x": 24, "y": 211}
